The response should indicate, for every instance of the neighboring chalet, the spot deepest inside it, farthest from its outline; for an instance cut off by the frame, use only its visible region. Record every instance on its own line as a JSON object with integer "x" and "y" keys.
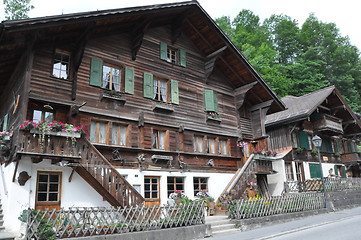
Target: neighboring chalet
{"x": 324, "y": 113}
{"x": 163, "y": 94}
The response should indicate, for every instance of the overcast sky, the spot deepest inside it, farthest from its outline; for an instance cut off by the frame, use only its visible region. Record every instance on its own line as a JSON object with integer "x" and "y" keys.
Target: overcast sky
{"x": 346, "y": 14}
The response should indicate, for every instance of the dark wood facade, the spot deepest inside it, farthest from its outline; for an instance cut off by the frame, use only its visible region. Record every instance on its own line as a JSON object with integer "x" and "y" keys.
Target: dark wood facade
{"x": 130, "y": 40}
{"x": 329, "y": 117}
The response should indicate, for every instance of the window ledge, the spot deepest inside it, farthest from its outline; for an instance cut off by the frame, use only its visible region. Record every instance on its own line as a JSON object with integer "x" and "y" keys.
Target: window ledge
{"x": 163, "y": 107}
{"x": 121, "y": 98}
{"x": 214, "y": 119}
{"x": 59, "y": 134}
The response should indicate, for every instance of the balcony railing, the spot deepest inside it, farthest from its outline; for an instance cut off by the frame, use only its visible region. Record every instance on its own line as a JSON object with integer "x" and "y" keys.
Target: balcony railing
{"x": 58, "y": 145}
{"x": 351, "y": 157}
{"x": 328, "y": 123}
{"x": 308, "y": 155}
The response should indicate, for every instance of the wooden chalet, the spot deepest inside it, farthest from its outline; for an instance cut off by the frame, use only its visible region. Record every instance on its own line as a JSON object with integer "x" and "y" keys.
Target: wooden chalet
{"x": 162, "y": 92}
{"x": 324, "y": 113}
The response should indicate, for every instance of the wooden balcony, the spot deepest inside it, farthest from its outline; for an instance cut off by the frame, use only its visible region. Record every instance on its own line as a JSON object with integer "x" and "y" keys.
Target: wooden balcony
{"x": 328, "y": 124}
{"x": 351, "y": 157}
{"x": 62, "y": 146}
{"x": 263, "y": 167}
{"x": 307, "y": 155}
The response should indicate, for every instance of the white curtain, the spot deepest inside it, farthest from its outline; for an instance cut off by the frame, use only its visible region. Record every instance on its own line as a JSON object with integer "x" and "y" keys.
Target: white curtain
{"x": 163, "y": 91}
{"x": 123, "y": 136}
{"x": 102, "y": 132}
{"x": 211, "y": 146}
{"x": 155, "y": 88}
{"x": 161, "y": 140}
{"x": 114, "y": 134}
{"x": 93, "y": 127}
{"x": 116, "y": 79}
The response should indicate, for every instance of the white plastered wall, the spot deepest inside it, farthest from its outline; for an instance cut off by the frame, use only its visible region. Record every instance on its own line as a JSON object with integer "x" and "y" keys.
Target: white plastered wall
{"x": 216, "y": 181}
{"x": 16, "y": 198}
{"x": 276, "y": 181}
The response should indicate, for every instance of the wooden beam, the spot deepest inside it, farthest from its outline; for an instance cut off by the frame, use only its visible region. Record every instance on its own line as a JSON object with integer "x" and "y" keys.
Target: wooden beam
{"x": 178, "y": 23}
{"x": 349, "y": 122}
{"x": 77, "y": 57}
{"x": 240, "y": 94}
{"x": 15, "y": 170}
{"x": 138, "y": 35}
{"x": 266, "y": 104}
{"x": 324, "y": 108}
{"x": 211, "y": 60}
{"x": 71, "y": 175}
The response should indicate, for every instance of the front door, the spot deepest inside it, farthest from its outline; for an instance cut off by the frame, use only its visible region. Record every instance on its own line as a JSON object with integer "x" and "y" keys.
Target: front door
{"x": 48, "y": 190}
{"x": 151, "y": 191}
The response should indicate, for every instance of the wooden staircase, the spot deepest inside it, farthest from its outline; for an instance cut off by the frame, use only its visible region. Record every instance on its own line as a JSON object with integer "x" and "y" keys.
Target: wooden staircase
{"x": 238, "y": 184}
{"x": 99, "y": 173}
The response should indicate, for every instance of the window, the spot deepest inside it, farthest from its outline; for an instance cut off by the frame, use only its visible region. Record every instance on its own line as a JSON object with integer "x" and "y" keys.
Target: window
{"x": 175, "y": 183}
{"x": 111, "y": 77}
{"x": 5, "y": 122}
{"x": 119, "y": 134}
{"x": 222, "y": 147}
{"x": 48, "y": 187}
{"x": 160, "y": 90}
{"x": 151, "y": 187}
{"x": 200, "y": 183}
{"x": 39, "y": 115}
{"x": 159, "y": 139}
{"x": 210, "y": 101}
{"x": 289, "y": 172}
{"x": 295, "y": 139}
{"x": 98, "y": 132}
{"x": 211, "y": 145}
{"x": 61, "y": 65}
{"x": 172, "y": 55}
{"x": 198, "y": 143}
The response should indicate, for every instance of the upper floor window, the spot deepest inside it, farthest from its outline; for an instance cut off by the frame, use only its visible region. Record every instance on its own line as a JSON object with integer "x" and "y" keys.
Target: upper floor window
{"x": 111, "y": 77}
{"x": 40, "y": 116}
{"x": 172, "y": 55}
{"x": 211, "y": 145}
{"x": 223, "y": 147}
{"x": 160, "y": 89}
{"x": 159, "y": 139}
{"x": 98, "y": 131}
{"x": 119, "y": 134}
{"x": 198, "y": 143}
{"x": 61, "y": 65}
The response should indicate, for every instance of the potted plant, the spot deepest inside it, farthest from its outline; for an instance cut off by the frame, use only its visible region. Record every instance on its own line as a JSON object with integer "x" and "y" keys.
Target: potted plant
{"x": 177, "y": 196}
{"x": 299, "y": 150}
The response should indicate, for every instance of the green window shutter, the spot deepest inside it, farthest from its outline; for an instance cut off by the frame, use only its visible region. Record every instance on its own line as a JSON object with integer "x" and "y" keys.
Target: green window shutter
{"x": 182, "y": 57}
{"x": 96, "y": 71}
{"x": 315, "y": 170}
{"x": 328, "y": 144}
{"x": 336, "y": 170}
{"x": 174, "y": 91}
{"x": 215, "y": 101}
{"x": 129, "y": 80}
{"x": 163, "y": 51}
{"x": 209, "y": 101}
{"x": 6, "y": 122}
{"x": 304, "y": 140}
{"x": 337, "y": 145}
{"x": 148, "y": 85}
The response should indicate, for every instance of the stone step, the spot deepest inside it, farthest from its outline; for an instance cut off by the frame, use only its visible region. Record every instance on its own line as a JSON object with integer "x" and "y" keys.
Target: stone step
{"x": 224, "y": 232}
{"x": 6, "y": 236}
{"x": 223, "y": 227}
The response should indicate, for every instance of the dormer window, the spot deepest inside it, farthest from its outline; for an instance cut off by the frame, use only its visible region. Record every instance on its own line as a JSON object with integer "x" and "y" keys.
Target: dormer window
{"x": 61, "y": 65}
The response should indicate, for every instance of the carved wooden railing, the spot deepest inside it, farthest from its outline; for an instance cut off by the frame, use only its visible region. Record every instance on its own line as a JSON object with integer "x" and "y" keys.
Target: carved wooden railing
{"x": 52, "y": 145}
{"x": 238, "y": 183}
{"x": 104, "y": 178}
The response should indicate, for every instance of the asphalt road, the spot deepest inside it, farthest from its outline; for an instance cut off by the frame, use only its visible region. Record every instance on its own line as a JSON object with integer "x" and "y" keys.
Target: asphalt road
{"x": 341, "y": 225}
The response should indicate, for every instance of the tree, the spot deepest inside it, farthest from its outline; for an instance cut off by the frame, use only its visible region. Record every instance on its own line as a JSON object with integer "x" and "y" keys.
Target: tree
{"x": 17, "y": 9}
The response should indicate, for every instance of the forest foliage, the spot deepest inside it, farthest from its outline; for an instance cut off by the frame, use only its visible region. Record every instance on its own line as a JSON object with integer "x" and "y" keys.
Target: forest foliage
{"x": 297, "y": 59}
